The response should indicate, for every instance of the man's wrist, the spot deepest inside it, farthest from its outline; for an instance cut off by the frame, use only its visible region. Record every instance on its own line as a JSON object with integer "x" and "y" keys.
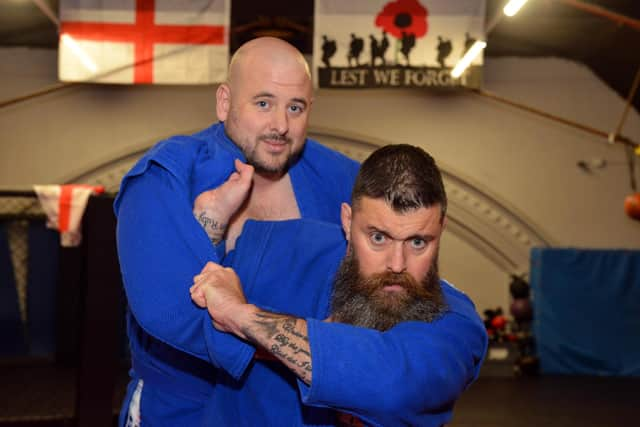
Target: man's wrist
{"x": 242, "y": 319}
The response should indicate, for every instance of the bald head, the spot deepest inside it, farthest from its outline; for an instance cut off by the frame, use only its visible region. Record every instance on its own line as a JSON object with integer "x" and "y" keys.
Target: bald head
{"x": 265, "y": 104}
{"x": 267, "y": 54}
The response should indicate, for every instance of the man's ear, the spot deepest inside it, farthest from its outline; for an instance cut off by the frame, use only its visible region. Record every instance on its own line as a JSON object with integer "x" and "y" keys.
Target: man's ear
{"x": 223, "y": 101}
{"x": 345, "y": 217}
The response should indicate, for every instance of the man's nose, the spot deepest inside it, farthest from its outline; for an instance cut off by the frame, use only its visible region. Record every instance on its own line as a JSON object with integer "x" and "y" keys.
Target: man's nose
{"x": 280, "y": 121}
{"x": 396, "y": 261}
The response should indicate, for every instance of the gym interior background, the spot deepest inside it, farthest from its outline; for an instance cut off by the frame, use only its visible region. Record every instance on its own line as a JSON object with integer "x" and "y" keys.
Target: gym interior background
{"x": 538, "y": 233}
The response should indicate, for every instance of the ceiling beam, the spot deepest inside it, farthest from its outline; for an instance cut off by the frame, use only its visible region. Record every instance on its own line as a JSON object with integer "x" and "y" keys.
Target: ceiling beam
{"x": 618, "y": 18}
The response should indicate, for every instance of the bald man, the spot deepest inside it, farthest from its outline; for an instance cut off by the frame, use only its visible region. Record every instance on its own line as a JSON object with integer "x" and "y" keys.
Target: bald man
{"x": 171, "y": 222}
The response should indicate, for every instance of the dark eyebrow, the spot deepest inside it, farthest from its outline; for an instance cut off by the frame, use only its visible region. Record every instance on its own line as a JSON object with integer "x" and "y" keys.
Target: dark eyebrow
{"x": 373, "y": 228}
{"x": 264, "y": 95}
{"x": 300, "y": 101}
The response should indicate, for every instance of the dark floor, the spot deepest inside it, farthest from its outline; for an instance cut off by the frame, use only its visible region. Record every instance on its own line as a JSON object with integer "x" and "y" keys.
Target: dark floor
{"x": 41, "y": 395}
{"x": 550, "y": 402}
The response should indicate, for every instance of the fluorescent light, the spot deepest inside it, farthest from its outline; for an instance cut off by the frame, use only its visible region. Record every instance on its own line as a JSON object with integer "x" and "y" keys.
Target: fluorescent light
{"x": 468, "y": 58}
{"x": 513, "y": 7}
{"x": 86, "y": 60}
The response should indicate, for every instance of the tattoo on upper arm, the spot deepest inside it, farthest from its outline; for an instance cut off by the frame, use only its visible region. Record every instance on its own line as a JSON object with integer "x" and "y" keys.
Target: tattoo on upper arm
{"x": 283, "y": 337}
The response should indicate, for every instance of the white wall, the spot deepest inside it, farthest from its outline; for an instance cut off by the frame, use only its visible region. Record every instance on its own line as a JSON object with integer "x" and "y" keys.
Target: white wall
{"x": 526, "y": 162}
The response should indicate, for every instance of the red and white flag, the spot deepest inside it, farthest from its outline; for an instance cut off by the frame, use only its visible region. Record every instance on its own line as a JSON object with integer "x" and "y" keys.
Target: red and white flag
{"x": 144, "y": 41}
{"x": 64, "y": 206}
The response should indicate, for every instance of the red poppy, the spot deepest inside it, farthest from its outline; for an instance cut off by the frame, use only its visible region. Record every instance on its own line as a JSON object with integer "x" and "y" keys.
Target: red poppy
{"x": 403, "y": 16}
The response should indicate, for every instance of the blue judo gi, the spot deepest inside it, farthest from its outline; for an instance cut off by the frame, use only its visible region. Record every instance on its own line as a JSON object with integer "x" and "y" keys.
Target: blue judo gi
{"x": 177, "y": 354}
{"x": 410, "y": 375}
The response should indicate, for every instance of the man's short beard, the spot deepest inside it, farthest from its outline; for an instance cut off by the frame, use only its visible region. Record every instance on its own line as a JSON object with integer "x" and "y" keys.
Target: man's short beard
{"x": 262, "y": 167}
{"x": 360, "y": 301}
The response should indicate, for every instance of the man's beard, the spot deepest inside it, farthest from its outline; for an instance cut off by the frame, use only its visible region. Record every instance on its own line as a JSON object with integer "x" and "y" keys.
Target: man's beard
{"x": 361, "y": 301}
{"x": 262, "y": 165}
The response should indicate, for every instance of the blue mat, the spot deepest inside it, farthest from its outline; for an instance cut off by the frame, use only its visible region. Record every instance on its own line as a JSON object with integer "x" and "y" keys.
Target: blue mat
{"x": 587, "y": 311}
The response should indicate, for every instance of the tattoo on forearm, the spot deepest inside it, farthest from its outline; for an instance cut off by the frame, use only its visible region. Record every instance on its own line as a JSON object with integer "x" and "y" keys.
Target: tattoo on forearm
{"x": 289, "y": 325}
{"x": 214, "y": 229}
{"x": 286, "y": 338}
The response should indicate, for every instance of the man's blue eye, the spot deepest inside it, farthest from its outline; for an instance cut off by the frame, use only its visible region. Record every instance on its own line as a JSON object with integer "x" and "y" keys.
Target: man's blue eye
{"x": 418, "y": 243}
{"x": 295, "y": 108}
{"x": 378, "y": 238}
{"x": 262, "y": 104}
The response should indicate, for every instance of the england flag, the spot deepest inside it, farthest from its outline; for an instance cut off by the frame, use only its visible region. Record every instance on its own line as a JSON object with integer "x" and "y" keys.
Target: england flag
{"x": 144, "y": 41}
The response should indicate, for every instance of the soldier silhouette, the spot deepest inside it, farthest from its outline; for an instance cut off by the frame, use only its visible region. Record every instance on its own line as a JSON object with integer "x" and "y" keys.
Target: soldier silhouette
{"x": 328, "y": 50}
{"x": 373, "y": 48}
{"x": 407, "y": 42}
{"x": 379, "y": 48}
{"x": 355, "y": 49}
{"x": 444, "y": 50}
{"x": 384, "y": 45}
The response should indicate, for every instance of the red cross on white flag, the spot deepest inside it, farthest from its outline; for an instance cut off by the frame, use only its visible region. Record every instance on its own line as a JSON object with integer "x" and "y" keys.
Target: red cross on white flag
{"x": 144, "y": 41}
{"x": 64, "y": 206}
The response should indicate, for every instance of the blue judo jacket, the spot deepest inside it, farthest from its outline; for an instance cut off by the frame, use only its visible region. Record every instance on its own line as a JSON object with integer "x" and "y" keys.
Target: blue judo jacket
{"x": 175, "y": 349}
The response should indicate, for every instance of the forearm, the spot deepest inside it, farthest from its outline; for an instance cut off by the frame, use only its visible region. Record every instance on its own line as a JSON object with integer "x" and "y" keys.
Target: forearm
{"x": 285, "y": 337}
{"x": 212, "y": 224}
{"x": 214, "y": 208}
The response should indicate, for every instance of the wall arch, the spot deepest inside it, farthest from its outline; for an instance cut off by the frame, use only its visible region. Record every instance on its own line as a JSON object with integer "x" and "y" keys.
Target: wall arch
{"x": 495, "y": 229}
{"x": 498, "y": 231}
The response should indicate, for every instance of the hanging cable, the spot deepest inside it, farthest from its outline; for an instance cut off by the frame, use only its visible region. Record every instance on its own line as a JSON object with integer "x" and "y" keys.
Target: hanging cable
{"x": 618, "y": 138}
{"x": 35, "y": 94}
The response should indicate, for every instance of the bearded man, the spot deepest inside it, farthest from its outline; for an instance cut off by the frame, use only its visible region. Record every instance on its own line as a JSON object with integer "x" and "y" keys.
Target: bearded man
{"x": 400, "y": 345}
